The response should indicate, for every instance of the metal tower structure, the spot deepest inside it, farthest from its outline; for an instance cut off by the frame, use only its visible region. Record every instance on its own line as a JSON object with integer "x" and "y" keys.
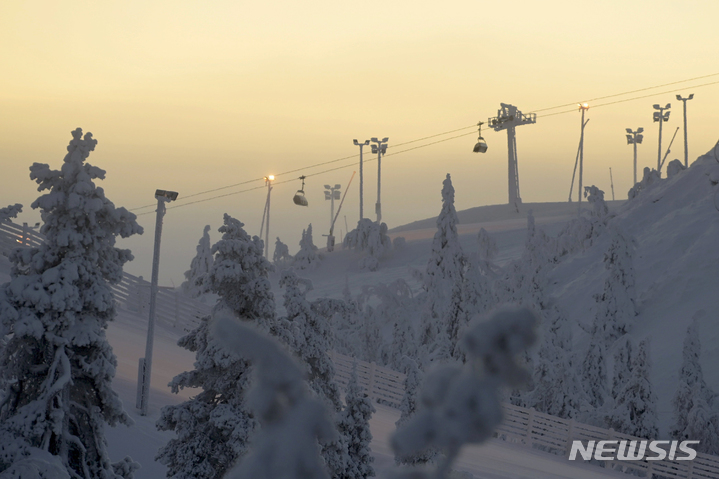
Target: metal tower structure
{"x": 509, "y": 117}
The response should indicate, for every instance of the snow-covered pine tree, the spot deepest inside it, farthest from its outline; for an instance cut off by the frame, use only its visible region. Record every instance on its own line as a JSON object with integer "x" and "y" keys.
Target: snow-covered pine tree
{"x": 634, "y": 410}
{"x": 354, "y": 427}
{"x": 199, "y": 267}
{"x": 292, "y": 420}
{"x": 616, "y": 304}
{"x": 408, "y": 407}
{"x": 694, "y": 416}
{"x": 57, "y": 367}
{"x": 443, "y": 280}
{"x": 623, "y": 363}
{"x": 461, "y": 403}
{"x": 281, "y": 255}
{"x": 307, "y": 256}
{"x": 594, "y": 376}
{"x": 595, "y": 197}
{"x": 557, "y": 390}
{"x": 372, "y": 238}
{"x": 213, "y": 427}
{"x": 312, "y": 342}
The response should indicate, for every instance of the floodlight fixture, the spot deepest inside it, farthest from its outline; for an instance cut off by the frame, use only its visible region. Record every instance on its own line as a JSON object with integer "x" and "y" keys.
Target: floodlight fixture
{"x": 583, "y": 106}
{"x": 327, "y": 187}
{"x": 270, "y": 178}
{"x": 380, "y": 148}
{"x": 167, "y": 195}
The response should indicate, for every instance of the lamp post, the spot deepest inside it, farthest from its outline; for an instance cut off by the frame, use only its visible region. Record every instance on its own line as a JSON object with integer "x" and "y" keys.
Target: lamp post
{"x": 145, "y": 367}
{"x": 268, "y": 182}
{"x": 635, "y": 138}
{"x": 380, "y": 148}
{"x": 332, "y": 193}
{"x": 582, "y": 107}
{"x": 661, "y": 117}
{"x": 686, "y": 148}
{"x": 361, "y": 201}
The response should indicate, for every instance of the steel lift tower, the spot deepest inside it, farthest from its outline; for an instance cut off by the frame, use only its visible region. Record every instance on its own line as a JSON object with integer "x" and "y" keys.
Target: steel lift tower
{"x": 509, "y": 117}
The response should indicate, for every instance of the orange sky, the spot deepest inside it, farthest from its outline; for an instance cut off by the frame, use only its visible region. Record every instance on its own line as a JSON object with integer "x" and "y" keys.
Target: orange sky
{"x": 193, "y": 96}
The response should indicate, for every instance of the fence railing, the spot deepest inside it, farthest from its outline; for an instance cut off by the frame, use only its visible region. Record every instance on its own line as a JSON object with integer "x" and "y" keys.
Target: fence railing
{"x": 133, "y": 293}
{"x": 529, "y": 427}
{"x": 521, "y": 425}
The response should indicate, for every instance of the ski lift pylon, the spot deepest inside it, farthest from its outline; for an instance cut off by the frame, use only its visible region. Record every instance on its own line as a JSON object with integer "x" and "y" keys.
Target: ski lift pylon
{"x": 299, "y": 197}
{"x": 481, "y": 145}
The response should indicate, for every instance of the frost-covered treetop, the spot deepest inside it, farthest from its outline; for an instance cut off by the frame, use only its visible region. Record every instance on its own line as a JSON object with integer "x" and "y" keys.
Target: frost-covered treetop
{"x": 10, "y": 211}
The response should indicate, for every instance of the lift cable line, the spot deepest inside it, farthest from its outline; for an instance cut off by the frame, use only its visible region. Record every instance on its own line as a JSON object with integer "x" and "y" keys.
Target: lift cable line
{"x": 473, "y": 126}
{"x": 628, "y": 92}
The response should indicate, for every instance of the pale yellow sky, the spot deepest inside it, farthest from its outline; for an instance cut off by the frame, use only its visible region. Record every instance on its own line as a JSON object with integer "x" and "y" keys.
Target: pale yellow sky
{"x": 192, "y": 96}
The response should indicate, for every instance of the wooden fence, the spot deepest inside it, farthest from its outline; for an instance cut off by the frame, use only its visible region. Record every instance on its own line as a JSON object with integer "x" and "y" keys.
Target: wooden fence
{"x": 521, "y": 425}
{"x": 531, "y": 428}
{"x": 133, "y": 293}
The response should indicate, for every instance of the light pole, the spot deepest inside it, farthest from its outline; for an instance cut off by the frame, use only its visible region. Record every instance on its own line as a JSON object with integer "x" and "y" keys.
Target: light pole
{"x": 380, "y": 148}
{"x": 661, "y": 117}
{"x": 686, "y": 147}
{"x": 145, "y": 367}
{"x": 266, "y": 214}
{"x": 582, "y": 107}
{"x": 332, "y": 193}
{"x": 635, "y": 138}
{"x": 361, "y": 145}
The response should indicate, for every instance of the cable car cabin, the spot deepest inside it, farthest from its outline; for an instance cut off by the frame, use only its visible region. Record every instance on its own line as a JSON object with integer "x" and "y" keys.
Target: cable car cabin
{"x": 481, "y": 146}
{"x": 300, "y": 199}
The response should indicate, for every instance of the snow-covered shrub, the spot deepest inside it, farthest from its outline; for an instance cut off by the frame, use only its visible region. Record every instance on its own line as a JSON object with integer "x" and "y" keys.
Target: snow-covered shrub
{"x": 354, "y": 427}
{"x": 214, "y": 427}
{"x": 56, "y": 368}
{"x": 372, "y": 238}
{"x": 281, "y": 255}
{"x": 307, "y": 257}
{"x": 292, "y": 420}
{"x": 674, "y": 167}
{"x": 461, "y": 404}
{"x": 199, "y": 267}
{"x": 650, "y": 177}
{"x": 399, "y": 243}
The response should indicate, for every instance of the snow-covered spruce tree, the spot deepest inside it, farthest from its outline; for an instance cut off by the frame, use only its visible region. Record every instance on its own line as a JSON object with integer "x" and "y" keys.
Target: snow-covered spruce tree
{"x": 443, "y": 281}
{"x": 694, "y": 416}
{"x": 487, "y": 250}
{"x": 213, "y": 427}
{"x": 307, "y": 257}
{"x": 371, "y": 237}
{"x": 312, "y": 342}
{"x": 650, "y": 177}
{"x": 292, "y": 420}
{"x": 634, "y": 410}
{"x": 461, "y": 404}
{"x": 281, "y": 255}
{"x": 616, "y": 304}
{"x": 354, "y": 427}
{"x": 57, "y": 367}
{"x": 595, "y": 197}
{"x": 199, "y": 267}
{"x": 623, "y": 363}
{"x": 557, "y": 390}
{"x": 594, "y": 376}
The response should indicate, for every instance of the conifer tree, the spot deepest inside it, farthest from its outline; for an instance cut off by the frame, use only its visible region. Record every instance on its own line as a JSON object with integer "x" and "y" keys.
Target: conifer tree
{"x": 443, "y": 281}
{"x": 199, "y": 267}
{"x": 281, "y": 255}
{"x": 57, "y": 367}
{"x": 10, "y": 211}
{"x": 354, "y": 427}
{"x": 307, "y": 256}
{"x": 634, "y": 410}
{"x": 214, "y": 427}
{"x": 616, "y": 305}
{"x": 594, "y": 373}
{"x": 695, "y": 416}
